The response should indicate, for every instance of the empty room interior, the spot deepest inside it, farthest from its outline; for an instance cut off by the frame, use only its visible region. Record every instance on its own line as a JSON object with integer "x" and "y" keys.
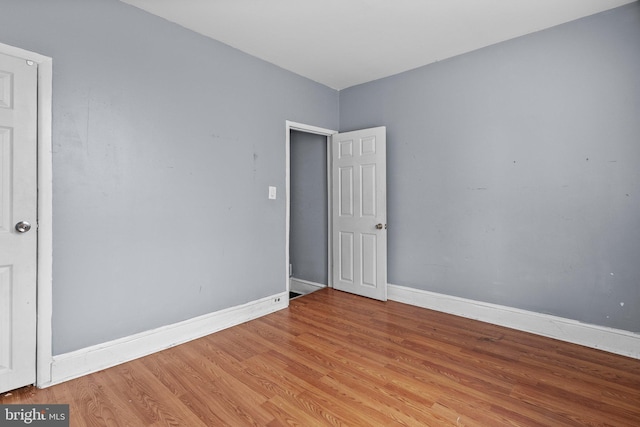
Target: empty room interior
{"x": 329, "y": 213}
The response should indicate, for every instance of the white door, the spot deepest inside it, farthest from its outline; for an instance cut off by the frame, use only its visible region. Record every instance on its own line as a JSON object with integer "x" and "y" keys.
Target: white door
{"x": 359, "y": 217}
{"x": 18, "y": 198}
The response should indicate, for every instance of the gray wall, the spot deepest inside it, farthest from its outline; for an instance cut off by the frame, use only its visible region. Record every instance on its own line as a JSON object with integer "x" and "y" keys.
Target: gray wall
{"x": 309, "y": 216}
{"x": 514, "y": 170}
{"x": 164, "y": 145}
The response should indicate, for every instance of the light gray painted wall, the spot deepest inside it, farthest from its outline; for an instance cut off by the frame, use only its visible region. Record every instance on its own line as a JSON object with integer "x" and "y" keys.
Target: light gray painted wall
{"x": 164, "y": 145}
{"x": 514, "y": 171}
{"x": 309, "y": 220}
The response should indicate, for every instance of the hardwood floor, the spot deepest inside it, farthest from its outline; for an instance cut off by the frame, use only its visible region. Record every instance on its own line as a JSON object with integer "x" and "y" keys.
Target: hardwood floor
{"x": 333, "y": 358}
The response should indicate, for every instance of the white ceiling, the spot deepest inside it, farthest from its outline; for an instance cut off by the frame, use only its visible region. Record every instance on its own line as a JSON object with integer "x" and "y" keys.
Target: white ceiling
{"x": 342, "y": 43}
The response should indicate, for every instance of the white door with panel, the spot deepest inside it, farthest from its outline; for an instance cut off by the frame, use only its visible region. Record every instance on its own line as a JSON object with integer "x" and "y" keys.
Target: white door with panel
{"x": 18, "y": 210}
{"x": 359, "y": 217}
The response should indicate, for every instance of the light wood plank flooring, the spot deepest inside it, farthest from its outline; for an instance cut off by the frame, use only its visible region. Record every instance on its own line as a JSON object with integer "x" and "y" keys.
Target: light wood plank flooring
{"x": 333, "y": 358}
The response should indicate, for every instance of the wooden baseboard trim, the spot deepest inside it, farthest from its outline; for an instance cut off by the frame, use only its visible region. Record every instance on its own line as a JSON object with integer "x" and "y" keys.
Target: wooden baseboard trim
{"x": 608, "y": 339}
{"x": 92, "y": 359}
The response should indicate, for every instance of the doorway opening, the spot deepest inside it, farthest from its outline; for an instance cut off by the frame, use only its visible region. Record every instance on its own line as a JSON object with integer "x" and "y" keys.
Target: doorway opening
{"x": 308, "y": 231}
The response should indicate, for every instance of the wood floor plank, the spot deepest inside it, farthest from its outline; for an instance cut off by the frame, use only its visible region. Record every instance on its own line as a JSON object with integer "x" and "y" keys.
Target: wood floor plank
{"x": 334, "y": 358}
{"x": 154, "y": 403}
{"x": 174, "y": 371}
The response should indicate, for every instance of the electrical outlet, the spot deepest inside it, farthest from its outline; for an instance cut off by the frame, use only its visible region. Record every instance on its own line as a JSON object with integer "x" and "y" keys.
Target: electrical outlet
{"x": 272, "y": 193}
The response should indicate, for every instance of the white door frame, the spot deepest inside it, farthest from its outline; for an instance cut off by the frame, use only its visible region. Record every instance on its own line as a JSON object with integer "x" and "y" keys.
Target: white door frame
{"x": 44, "y": 355}
{"x": 318, "y": 131}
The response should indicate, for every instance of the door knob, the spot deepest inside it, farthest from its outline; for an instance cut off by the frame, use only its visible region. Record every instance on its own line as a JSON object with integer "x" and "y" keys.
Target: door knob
{"x": 381, "y": 226}
{"x": 23, "y": 227}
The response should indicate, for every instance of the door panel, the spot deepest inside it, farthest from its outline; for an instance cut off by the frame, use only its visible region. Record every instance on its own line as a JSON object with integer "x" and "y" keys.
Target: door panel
{"x": 18, "y": 198}
{"x": 5, "y": 176}
{"x": 359, "y": 204}
{"x": 345, "y": 266}
{"x": 368, "y": 191}
{"x": 369, "y": 244}
{"x": 345, "y": 189}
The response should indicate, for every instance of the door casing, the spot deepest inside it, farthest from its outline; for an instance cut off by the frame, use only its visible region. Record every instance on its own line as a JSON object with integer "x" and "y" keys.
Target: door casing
{"x": 318, "y": 131}
{"x": 44, "y": 267}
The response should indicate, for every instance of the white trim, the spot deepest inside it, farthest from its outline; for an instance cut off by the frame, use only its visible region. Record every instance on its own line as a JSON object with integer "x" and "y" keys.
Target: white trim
{"x": 45, "y": 210}
{"x": 309, "y": 129}
{"x": 301, "y": 286}
{"x": 329, "y": 212}
{"x": 289, "y": 126}
{"x": 91, "y": 359}
{"x": 608, "y": 339}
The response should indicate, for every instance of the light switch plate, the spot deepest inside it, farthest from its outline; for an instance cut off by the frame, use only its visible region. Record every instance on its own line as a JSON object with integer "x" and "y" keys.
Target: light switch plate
{"x": 272, "y": 193}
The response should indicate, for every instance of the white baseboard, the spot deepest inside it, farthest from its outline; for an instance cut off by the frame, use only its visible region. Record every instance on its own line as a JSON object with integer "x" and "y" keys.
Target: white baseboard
{"x": 304, "y": 286}
{"x": 91, "y": 359}
{"x": 608, "y": 339}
